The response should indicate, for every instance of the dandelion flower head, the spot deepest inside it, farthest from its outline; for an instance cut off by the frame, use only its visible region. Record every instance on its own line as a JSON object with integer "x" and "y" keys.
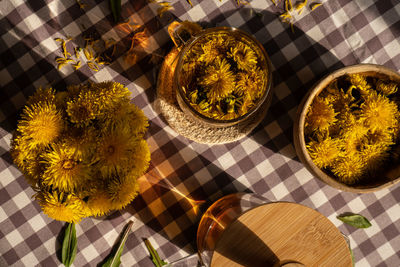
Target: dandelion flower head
{"x": 45, "y": 95}
{"x": 379, "y": 112}
{"x": 219, "y": 80}
{"x": 41, "y": 124}
{"x": 115, "y": 150}
{"x": 122, "y": 190}
{"x": 244, "y": 56}
{"x": 359, "y": 81}
{"x": 61, "y": 206}
{"x": 349, "y": 170}
{"x": 386, "y": 88}
{"x": 251, "y": 84}
{"x": 320, "y": 115}
{"x": 64, "y": 170}
{"x": 325, "y": 152}
{"x": 99, "y": 202}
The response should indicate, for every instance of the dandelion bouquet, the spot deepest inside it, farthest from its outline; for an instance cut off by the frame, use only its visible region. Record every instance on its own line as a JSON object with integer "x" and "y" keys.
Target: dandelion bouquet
{"x": 81, "y": 149}
{"x": 223, "y": 76}
{"x": 352, "y": 126}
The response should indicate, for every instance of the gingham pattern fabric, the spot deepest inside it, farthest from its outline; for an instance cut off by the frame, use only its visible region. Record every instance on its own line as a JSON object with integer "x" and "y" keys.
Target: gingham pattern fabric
{"x": 336, "y": 34}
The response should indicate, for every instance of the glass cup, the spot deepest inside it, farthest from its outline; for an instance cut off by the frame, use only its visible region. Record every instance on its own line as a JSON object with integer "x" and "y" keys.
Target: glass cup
{"x": 218, "y": 217}
{"x": 260, "y": 105}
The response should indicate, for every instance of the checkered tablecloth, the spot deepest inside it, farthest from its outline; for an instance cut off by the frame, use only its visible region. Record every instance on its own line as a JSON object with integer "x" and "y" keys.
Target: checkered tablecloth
{"x": 336, "y": 34}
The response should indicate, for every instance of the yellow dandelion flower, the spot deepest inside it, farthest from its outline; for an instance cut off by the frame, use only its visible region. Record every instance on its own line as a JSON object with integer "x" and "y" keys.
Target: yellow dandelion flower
{"x": 340, "y": 100}
{"x": 352, "y": 134}
{"x": 64, "y": 169}
{"x": 127, "y": 113}
{"x": 320, "y": 115}
{"x": 27, "y": 160}
{"x": 41, "y": 124}
{"x": 251, "y": 83}
{"x": 84, "y": 109}
{"x": 194, "y": 52}
{"x": 136, "y": 120}
{"x": 349, "y": 170}
{"x": 122, "y": 190}
{"x": 81, "y": 140}
{"x": 244, "y": 56}
{"x": 115, "y": 150}
{"x": 353, "y": 127}
{"x": 20, "y": 151}
{"x": 210, "y": 52}
{"x": 141, "y": 158}
{"x": 375, "y": 148}
{"x": 359, "y": 81}
{"x": 110, "y": 92}
{"x": 219, "y": 81}
{"x": 379, "y": 112}
{"x": 42, "y": 95}
{"x": 99, "y": 202}
{"x": 61, "y": 206}
{"x": 379, "y": 138}
{"x": 325, "y": 152}
{"x": 386, "y": 88}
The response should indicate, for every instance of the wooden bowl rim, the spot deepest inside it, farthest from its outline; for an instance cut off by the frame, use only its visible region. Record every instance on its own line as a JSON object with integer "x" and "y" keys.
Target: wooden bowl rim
{"x": 298, "y": 130}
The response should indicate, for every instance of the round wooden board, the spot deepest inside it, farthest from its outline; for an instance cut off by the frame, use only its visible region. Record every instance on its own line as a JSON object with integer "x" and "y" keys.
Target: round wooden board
{"x": 281, "y": 231}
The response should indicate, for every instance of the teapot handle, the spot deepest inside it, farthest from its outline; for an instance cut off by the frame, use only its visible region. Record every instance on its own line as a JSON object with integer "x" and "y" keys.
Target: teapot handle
{"x": 176, "y": 30}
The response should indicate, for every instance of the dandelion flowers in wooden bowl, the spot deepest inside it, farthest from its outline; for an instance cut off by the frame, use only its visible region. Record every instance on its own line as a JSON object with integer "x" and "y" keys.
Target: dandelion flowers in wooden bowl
{"x": 82, "y": 149}
{"x": 347, "y": 131}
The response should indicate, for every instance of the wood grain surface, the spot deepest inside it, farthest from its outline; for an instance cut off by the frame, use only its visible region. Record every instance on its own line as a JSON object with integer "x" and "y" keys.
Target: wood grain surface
{"x": 281, "y": 232}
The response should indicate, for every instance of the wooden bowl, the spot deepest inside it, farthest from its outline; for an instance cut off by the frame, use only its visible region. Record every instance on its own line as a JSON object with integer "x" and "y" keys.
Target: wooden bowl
{"x": 391, "y": 177}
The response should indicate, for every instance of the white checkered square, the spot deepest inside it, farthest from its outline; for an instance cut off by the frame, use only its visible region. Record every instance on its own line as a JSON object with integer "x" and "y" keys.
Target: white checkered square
{"x": 264, "y": 168}
{"x": 273, "y": 129}
{"x": 55, "y": 8}
{"x": 386, "y": 251}
{"x": 226, "y": 161}
{"x": 280, "y": 191}
{"x": 235, "y": 20}
{"x": 89, "y": 253}
{"x": 290, "y": 51}
{"x": 21, "y": 200}
{"x": 315, "y": 33}
{"x": 33, "y": 22}
{"x": 196, "y": 13}
{"x": 30, "y": 260}
{"x": 281, "y": 91}
{"x": 318, "y": 199}
{"x": 392, "y": 47}
{"x": 378, "y": 25}
{"x": 275, "y": 27}
{"x": 356, "y": 205}
{"x": 6, "y": 177}
{"x": 37, "y": 223}
{"x": 203, "y": 175}
{"x": 72, "y": 30}
{"x": 304, "y": 176}
{"x": 14, "y": 238}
